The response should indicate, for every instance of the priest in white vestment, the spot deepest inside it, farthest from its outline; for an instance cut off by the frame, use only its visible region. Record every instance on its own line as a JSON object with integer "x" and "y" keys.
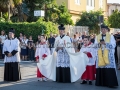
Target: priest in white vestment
{"x": 64, "y": 65}
{"x": 106, "y": 68}
{"x": 11, "y": 49}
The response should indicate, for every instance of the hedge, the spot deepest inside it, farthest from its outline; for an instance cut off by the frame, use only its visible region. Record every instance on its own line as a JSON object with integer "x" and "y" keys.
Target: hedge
{"x": 34, "y": 28}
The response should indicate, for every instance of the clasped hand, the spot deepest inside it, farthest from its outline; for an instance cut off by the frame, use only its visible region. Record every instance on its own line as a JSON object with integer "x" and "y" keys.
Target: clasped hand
{"x": 58, "y": 48}
{"x": 9, "y": 54}
{"x": 102, "y": 43}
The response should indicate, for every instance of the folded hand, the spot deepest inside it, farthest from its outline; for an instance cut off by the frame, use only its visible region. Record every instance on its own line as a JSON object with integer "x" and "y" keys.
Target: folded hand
{"x": 58, "y": 48}
{"x": 9, "y": 54}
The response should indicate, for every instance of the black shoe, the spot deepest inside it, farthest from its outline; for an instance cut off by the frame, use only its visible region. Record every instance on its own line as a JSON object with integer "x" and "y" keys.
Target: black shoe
{"x": 84, "y": 82}
{"x": 90, "y": 82}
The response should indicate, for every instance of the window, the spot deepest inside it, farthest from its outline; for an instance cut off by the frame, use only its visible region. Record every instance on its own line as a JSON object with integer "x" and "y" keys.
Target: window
{"x": 112, "y": 11}
{"x": 91, "y": 2}
{"x": 100, "y": 3}
{"x": 88, "y": 2}
{"x": 77, "y": 2}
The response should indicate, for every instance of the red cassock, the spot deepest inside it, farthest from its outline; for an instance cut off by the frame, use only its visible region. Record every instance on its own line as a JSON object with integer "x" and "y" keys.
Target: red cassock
{"x": 39, "y": 75}
{"x": 89, "y": 74}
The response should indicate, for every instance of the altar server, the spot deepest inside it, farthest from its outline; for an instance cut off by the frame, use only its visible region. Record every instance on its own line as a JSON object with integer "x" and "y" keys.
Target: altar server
{"x": 11, "y": 49}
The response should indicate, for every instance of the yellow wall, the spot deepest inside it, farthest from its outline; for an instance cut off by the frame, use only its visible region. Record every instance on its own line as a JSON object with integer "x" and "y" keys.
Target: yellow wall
{"x": 96, "y": 5}
{"x": 73, "y": 8}
{"x": 77, "y": 8}
{"x": 75, "y": 17}
{"x": 105, "y": 8}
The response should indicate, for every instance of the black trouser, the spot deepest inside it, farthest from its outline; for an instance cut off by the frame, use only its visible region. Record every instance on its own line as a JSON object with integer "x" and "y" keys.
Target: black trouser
{"x": 1, "y": 50}
{"x": 31, "y": 54}
{"x": 116, "y": 56}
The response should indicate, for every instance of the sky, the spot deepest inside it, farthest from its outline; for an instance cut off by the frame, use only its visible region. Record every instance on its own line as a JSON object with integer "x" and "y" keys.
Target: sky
{"x": 113, "y": 1}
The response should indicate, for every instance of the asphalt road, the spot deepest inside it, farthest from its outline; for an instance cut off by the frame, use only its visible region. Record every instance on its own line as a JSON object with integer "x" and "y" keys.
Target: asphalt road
{"x": 29, "y": 81}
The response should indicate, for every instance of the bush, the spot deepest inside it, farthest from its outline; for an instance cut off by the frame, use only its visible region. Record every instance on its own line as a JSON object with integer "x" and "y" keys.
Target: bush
{"x": 34, "y": 29}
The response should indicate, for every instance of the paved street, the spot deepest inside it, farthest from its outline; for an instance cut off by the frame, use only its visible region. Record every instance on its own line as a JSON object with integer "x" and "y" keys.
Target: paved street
{"x": 29, "y": 81}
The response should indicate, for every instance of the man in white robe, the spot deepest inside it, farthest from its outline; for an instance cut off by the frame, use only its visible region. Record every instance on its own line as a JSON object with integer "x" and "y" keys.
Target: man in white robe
{"x": 64, "y": 65}
{"x": 11, "y": 49}
{"x": 105, "y": 63}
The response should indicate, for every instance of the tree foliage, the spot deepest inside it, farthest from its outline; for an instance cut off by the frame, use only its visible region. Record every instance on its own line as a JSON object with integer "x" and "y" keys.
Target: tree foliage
{"x": 2, "y": 19}
{"x": 53, "y": 12}
{"x": 33, "y": 5}
{"x": 34, "y": 29}
{"x": 64, "y": 16}
{"x": 19, "y": 11}
{"x": 114, "y": 19}
{"x": 90, "y": 19}
{"x": 12, "y": 5}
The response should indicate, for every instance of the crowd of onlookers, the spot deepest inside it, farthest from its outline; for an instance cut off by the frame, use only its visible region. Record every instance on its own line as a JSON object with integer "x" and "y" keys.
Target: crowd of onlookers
{"x": 28, "y": 45}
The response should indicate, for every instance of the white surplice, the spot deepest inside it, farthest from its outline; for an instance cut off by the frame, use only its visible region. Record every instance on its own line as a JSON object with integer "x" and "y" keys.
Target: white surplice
{"x": 42, "y": 49}
{"x": 10, "y": 45}
{"x": 78, "y": 61}
{"x": 91, "y": 50}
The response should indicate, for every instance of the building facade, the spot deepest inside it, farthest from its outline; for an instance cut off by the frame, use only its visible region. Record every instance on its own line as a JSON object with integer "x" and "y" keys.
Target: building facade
{"x": 76, "y": 7}
{"x": 112, "y": 7}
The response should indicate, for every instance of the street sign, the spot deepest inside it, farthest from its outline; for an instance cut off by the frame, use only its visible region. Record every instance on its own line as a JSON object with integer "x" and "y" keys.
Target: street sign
{"x": 42, "y": 13}
{"x": 39, "y": 13}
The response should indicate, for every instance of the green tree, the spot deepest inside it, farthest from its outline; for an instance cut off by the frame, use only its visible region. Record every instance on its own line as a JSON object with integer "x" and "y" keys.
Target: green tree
{"x": 46, "y": 5}
{"x": 53, "y": 12}
{"x": 18, "y": 5}
{"x": 90, "y": 19}
{"x": 2, "y": 19}
{"x": 9, "y": 5}
{"x": 114, "y": 19}
{"x": 64, "y": 16}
